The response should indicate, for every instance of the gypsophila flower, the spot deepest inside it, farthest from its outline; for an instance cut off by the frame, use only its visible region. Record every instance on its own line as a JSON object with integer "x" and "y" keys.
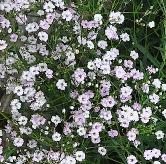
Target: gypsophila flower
{"x": 134, "y": 55}
{"x": 116, "y": 17}
{"x": 81, "y": 131}
{"x": 163, "y": 157}
{"x": 48, "y": 6}
{"x": 23, "y": 120}
{"x": 102, "y": 151}
{"x": 164, "y": 113}
{"x": 151, "y": 24}
{"x": 43, "y": 36}
{"x": 32, "y": 27}
{"x": 125, "y": 37}
{"x": 18, "y": 90}
{"x": 67, "y": 15}
{"x": 56, "y": 119}
{"x": 132, "y": 159}
{"x": 18, "y": 142}
{"x": 163, "y": 86}
{"x": 61, "y": 84}
{"x": 102, "y": 44}
{"x": 72, "y": 84}
{"x": 159, "y": 134}
{"x": 56, "y": 136}
{"x": 156, "y": 162}
{"x": 111, "y": 33}
{"x": 154, "y": 98}
{"x": 3, "y": 44}
{"x": 156, "y": 83}
{"x": 80, "y": 156}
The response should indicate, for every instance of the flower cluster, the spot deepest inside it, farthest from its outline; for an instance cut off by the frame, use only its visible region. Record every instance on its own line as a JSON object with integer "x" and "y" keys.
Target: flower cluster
{"x": 74, "y": 88}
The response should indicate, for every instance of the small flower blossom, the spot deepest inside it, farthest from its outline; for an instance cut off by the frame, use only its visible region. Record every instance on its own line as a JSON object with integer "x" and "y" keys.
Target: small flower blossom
{"x": 61, "y": 84}
{"x": 132, "y": 159}
{"x": 56, "y": 136}
{"x": 151, "y": 24}
{"x": 48, "y": 6}
{"x": 159, "y": 134}
{"x": 56, "y": 119}
{"x": 67, "y": 15}
{"x": 80, "y": 156}
{"x": 116, "y": 17}
{"x": 3, "y": 45}
{"x": 18, "y": 142}
{"x": 154, "y": 98}
{"x": 18, "y": 90}
{"x": 102, "y": 151}
{"x": 134, "y": 55}
{"x": 43, "y": 36}
{"x": 125, "y": 37}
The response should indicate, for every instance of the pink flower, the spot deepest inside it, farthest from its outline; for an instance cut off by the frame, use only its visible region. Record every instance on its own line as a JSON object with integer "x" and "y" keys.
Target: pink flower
{"x": 13, "y": 37}
{"x": 113, "y": 133}
{"x": 119, "y": 72}
{"x": 108, "y": 102}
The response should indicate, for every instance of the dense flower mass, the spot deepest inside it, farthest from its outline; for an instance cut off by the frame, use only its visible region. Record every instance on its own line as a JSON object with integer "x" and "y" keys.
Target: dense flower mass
{"x": 74, "y": 92}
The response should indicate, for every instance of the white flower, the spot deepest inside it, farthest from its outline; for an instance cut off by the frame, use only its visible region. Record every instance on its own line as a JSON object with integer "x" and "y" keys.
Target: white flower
{"x": 91, "y": 65}
{"x": 61, "y": 84}
{"x": 18, "y": 90}
{"x": 59, "y": 3}
{"x": 156, "y": 83}
{"x": 125, "y": 37}
{"x": 42, "y": 67}
{"x": 48, "y": 6}
{"x": 90, "y": 44}
{"x": 98, "y": 18}
{"x": 80, "y": 156}
{"x": 56, "y": 136}
{"x": 67, "y": 160}
{"x": 111, "y": 33}
{"x": 148, "y": 154}
{"x": 159, "y": 134}
{"x": 15, "y": 104}
{"x": 164, "y": 113}
{"x": 3, "y": 45}
{"x": 23, "y": 120}
{"x": 32, "y": 27}
{"x": 43, "y": 36}
{"x": 131, "y": 159}
{"x": 67, "y": 15}
{"x": 81, "y": 131}
{"x": 151, "y": 24}
{"x": 70, "y": 160}
{"x": 40, "y": 12}
{"x": 156, "y": 153}
{"x": 126, "y": 91}
{"x": 116, "y": 17}
{"x": 163, "y": 86}
{"x": 56, "y": 119}
{"x": 131, "y": 136}
{"x": 145, "y": 88}
{"x": 102, "y": 44}
{"x": 134, "y": 55}
{"x": 154, "y": 98}
{"x": 18, "y": 142}
{"x": 102, "y": 151}
{"x": 119, "y": 72}
{"x": 156, "y": 162}
{"x": 105, "y": 69}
